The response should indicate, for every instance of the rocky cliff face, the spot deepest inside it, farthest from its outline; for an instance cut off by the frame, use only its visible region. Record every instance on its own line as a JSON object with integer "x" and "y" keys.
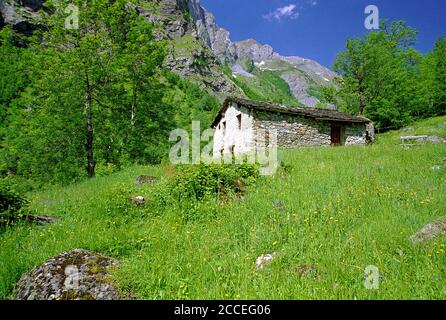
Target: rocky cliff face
{"x": 191, "y": 54}
{"x": 216, "y": 38}
{"x": 21, "y": 15}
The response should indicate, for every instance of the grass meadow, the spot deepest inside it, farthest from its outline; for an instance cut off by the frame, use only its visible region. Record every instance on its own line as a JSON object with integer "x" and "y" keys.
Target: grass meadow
{"x": 328, "y": 212}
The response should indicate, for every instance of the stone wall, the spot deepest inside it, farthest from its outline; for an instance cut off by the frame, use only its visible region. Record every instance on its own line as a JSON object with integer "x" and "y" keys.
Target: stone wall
{"x": 355, "y": 134}
{"x": 294, "y": 131}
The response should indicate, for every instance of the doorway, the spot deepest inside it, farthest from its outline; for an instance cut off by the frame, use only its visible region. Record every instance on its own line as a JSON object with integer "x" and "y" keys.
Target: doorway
{"x": 336, "y": 135}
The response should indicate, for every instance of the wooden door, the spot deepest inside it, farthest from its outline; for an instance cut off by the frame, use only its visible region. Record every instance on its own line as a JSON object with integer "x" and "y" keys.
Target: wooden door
{"x": 336, "y": 135}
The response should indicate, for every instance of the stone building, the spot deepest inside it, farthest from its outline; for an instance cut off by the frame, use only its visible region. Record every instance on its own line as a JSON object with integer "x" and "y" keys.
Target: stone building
{"x": 243, "y": 125}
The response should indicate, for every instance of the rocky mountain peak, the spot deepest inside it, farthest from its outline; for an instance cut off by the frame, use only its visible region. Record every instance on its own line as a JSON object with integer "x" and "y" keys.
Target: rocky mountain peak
{"x": 251, "y": 49}
{"x": 302, "y": 75}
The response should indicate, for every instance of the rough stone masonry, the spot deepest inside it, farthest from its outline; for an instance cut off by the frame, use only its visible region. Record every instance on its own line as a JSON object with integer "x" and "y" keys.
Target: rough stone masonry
{"x": 243, "y": 125}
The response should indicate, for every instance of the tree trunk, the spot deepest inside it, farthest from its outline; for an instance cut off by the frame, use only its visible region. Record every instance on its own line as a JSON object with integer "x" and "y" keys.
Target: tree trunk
{"x": 362, "y": 105}
{"x": 89, "y": 135}
{"x": 362, "y": 100}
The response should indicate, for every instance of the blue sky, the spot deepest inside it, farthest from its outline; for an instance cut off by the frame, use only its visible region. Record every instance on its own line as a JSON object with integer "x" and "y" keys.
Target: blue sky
{"x": 317, "y": 29}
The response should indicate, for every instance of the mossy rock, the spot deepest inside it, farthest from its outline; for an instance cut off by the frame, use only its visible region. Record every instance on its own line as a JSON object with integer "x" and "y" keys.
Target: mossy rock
{"x": 73, "y": 275}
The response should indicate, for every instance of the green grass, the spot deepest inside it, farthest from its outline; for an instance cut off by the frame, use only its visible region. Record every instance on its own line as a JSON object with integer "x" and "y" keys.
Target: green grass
{"x": 185, "y": 46}
{"x": 430, "y": 127}
{"x": 344, "y": 209}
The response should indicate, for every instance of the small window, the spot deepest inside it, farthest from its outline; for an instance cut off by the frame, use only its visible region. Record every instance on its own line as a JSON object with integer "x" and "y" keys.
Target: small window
{"x": 239, "y": 121}
{"x": 224, "y": 127}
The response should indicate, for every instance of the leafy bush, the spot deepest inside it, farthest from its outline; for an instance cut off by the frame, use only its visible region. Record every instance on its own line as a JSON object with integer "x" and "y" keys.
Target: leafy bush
{"x": 197, "y": 191}
{"x": 11, "y": 205}
{"x": 210, "y": 181}
{"x": 105, "y": 169}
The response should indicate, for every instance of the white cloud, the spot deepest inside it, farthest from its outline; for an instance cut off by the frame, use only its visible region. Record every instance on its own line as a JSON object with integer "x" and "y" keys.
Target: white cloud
{"x": 313, "y": 3}
{"x": 288, "y": 11}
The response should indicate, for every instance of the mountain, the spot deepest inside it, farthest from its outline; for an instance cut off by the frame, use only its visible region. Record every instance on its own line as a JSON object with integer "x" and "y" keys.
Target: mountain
{"x": 188, "y": 56}
{"x": 303, "y": 76}
{"x": 203, "y": 52}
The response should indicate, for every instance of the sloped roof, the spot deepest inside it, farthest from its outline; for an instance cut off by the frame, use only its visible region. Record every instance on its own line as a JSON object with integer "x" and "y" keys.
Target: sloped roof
{"x": 317, "y": 114}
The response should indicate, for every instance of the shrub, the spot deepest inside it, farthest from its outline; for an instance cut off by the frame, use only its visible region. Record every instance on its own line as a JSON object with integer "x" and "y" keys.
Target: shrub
{"x": 11, "y": 205}
{"x": 105, "y": 169}
{"x": 196, "y": 191}
{"x": 210, "y": 181}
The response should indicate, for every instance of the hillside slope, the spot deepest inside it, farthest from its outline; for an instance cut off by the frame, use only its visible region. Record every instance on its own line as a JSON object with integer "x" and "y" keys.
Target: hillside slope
{"x": 429, "y": 127}
{"x": 329, "y": 213}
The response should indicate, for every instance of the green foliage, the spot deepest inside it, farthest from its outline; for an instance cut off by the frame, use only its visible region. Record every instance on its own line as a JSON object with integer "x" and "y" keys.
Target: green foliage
{"x": 319, "y": 92}
{"x": 91, "y": 100}
{"x": 196, "y": 191}
{"x": 43, "y": 139}
{"x": 14, "y": 74}
{"x": 281, "y": 86}
{"x": 210, "y": 181}
{"x": 248, "y": 65}
{"x": 201, "y": 62}
{"x": 343, "y": 208}
{"x": 191, "y": 103}
{"x": 105, "y": 169}
{"x": 386, "y": 79}
{"x": 10, "y": 201}
{"x": 433, "y": 75}
{"x": 11, "y": 204}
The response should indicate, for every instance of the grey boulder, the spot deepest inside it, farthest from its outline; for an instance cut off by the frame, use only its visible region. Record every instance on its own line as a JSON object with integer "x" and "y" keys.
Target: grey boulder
{"x": 73, "y": 275}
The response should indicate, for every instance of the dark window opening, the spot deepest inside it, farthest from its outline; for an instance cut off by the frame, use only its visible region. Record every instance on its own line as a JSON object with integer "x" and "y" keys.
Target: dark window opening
{"x": 239, "y": 121}
{"x": 224, "y": 127}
